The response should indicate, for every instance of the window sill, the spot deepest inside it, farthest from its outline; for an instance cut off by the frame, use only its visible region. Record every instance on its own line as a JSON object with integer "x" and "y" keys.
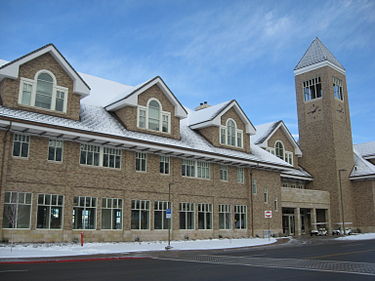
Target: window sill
{"x": 20, "y": 157}
{"x": 195, "y": 178}
{"x": 96, "y": 167}
{"x": 42, "y": 108}
{"x": 312, "y": 100}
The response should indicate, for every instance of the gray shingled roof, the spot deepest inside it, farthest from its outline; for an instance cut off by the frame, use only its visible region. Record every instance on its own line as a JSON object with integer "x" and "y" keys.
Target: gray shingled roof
{"x": 316, "y": 53}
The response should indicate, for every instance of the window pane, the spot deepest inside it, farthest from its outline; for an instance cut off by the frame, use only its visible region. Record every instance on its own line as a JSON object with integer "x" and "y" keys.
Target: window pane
{"x": 23, "y": 216}
{"x": 106, "y": 218}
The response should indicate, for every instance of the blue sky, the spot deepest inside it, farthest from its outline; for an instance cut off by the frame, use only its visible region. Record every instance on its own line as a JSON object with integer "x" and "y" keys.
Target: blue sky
{"x": 206, "y": 50}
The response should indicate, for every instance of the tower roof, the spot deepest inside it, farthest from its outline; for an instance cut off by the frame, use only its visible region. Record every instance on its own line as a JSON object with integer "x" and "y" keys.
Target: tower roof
{"x": 316, "y": 53}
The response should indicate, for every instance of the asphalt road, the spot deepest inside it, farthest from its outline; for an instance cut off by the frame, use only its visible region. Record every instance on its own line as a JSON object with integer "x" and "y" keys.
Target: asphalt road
{"x": 317, "y": 260}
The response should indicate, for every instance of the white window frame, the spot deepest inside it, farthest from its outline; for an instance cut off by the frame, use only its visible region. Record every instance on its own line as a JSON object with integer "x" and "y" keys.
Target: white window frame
{"x": 338, "y": 83}
{"x": 162, "y": 206}
{"x": 206, "y": 209}
{"x": 112, "y": 204}
{"x": 306, "y": 89}
{"x": 240, "y": 175}
{"x": 223, "y": 130}
{"x": 55, "y": 89}
{"x": 141, "y": 156}
{"x": 146, "y": 207}
{"x": 187, "y": 208}
{"x": 101, "y": 150}
{"x": 55, "y": 143}
{"x": 271, "y": 150}
{"x": 162, "y": 114}
{"x": 50, "y": 205}
{"x": 224, "y": 210}
{"x": 22, "y": 138}
{"x": 84, "y": 207}
{"x": 283, "y": 148}
{"x": 288, "y": 157}
{"x": 266, "y": 198}
{"x": 17, "y": 204}
{"x": 200, "y": 169}
{"x": 254, "y": 187}
{"x": 224, "y": 173}
{"x": 240, "y": 210}
{"x": 164, "y": 160}
{"x": 276, "y": 204}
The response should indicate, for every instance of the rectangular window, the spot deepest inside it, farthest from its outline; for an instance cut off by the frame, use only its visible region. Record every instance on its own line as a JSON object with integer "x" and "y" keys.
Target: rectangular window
{"x": 198, "y": 169}
{"x": 60, "y": 100}
{"x": 312, "y": 89}
{"x": 165, "y": 123}
{"x": 141, "y": 118}
{"x": 50, "y": 211}
{"x": 186, "y": 215}
{"x": 111, "y": 213}
{"x": 188, "y": 168}
{"x": 240, "y": 216}
{"x": 21, "y": 145}
{"x": 17, "y": 208}
{"x": 90, "y": 154}
{"x": 140, "y": 162}
{"x": 223, "y": 173}
{"x": 223, "y": 133}
{"x": 265, "y": 195}
{"x": 140, "y": 217}
{"x": 224, "y": 217}
{"x": 337, "y": 88}
{"x": 26, "y": 93}
{"x": 203, "y": 170}
{"x": 240, "y": 175}
{"x": 111, "y": 157}
{"x": 160, "y": 220}
{"x": 289, "y": 157}
{"x": 271, "y": 150}
{"x": 239, "y": 138}
{"x": 55, "y": 150}
{"x": 204, "y": 216}
{"x": 84, "y": 212}
{"x": 164, "y": 165}
{"x": 254, "y": 188}
{"x": 276, "y": 204}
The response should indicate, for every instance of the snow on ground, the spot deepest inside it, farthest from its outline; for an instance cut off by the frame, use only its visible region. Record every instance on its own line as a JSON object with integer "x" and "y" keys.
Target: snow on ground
{"x": 364, "y": 236}
{"x": 71, "y": 249}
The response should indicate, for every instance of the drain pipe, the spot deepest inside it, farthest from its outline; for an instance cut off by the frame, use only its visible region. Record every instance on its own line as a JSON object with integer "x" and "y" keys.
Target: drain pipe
{"x": 3, "y": 156}
{"x": 252, "y": 202}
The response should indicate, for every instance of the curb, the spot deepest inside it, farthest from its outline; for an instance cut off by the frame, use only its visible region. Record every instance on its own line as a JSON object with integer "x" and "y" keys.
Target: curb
{"x": 72, "y": 260}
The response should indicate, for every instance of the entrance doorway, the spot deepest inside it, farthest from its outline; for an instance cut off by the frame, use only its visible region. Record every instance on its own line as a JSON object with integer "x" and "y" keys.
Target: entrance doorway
{"x": 288, "y": 221}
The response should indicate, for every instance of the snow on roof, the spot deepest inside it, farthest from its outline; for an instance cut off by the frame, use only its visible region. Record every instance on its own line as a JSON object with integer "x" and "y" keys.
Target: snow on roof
{"x": 206, "y": 114}
{"x": 362, "y": 167}
{"x": 316, "y": 53}
{"x": 97, "y": 119}
{"x": 298, "y": 172}
{"x": 365, "y": 149}
{"x": 2, "y": 62}
{"x": 263, "y": 131}
{"x": 103, "y": 91}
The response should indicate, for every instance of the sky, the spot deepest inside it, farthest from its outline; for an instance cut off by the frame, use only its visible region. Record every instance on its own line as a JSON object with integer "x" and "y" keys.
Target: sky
{"x": 210, "y": 51}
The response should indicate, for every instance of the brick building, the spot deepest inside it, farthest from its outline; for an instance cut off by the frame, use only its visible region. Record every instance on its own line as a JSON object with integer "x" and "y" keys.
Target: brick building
{"x": 113, "y": 171}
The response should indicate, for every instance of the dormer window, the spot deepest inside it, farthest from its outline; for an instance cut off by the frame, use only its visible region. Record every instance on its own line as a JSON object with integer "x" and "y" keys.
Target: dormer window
{"x": 230, "y": 135}
{"x": 279, "y": 149}
{"x": 280, "y": 152}
{"x": 43, "y": 92}
{"x": 152, "y": 117}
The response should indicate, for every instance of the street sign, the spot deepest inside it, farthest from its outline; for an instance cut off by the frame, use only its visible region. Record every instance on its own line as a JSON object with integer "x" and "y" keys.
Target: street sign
{"x": 268, "y": 214}
{"x": 168, "y": 213}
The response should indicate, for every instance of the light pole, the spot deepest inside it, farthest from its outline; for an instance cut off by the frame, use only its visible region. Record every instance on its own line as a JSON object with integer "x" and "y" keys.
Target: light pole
{"x": 342, "y": 201}
{"x": 169, "y": 219}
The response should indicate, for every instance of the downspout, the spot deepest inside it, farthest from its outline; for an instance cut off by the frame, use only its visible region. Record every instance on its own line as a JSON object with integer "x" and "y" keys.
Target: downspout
{"x": 3, "y": 156}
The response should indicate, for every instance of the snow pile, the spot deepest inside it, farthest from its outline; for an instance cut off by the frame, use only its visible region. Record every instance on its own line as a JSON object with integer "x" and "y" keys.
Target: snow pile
{"x": 70, "y": 249}
{"x": 364, "y": 236}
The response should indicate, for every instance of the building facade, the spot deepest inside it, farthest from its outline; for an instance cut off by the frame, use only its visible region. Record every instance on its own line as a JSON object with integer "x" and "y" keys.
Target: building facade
{"x": 113, "y": 171}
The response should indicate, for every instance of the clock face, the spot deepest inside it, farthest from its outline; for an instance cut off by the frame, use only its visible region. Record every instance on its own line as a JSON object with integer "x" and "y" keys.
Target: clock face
{"x": 313, "y": 112}
{"x": 340, "y": 112}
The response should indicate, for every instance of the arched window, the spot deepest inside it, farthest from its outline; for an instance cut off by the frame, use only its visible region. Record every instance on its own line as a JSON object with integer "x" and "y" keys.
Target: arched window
{"x": 231, "y": 129}
{"x": 279, "y": 149}
{"x": 44, "y": 90}
{"x": 154, "y": 115}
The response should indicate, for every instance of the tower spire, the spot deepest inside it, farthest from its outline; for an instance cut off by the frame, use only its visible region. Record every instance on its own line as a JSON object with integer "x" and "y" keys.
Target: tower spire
{"x": 318, "y": 53}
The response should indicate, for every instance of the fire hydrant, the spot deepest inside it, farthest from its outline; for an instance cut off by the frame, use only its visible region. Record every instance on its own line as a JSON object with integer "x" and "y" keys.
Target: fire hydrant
{"x": 82, "y": 239}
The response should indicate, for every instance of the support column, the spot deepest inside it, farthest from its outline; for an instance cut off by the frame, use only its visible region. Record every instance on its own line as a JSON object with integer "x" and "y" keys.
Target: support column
{"x": 328, "y": 220}
{"x": 313, "y": 219}
{"x": 297, "y": 219}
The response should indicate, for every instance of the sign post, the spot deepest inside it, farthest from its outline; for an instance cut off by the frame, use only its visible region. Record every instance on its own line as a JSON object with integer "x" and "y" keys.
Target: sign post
{"x": 268, "y": 215}
{"x": 168, "y": 216}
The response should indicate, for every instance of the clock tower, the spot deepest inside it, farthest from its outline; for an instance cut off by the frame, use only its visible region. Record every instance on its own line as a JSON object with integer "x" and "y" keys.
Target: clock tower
{"x": 324, "y": 128}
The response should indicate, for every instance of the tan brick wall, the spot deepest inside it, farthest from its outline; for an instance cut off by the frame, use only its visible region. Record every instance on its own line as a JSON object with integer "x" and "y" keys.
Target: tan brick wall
{"x": 37, "y": 175}
{"x": 128, "y": 115}
{"x": 326, "y": 142}
{"x": 364, "y": 204}
{"x": 279, "y": 135}
{"x": 9, "y": 88}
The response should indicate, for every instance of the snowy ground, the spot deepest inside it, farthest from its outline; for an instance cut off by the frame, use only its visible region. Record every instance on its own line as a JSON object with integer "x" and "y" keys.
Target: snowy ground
{"x": 70, "y": 249}
{"x": 364, "y": 236}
